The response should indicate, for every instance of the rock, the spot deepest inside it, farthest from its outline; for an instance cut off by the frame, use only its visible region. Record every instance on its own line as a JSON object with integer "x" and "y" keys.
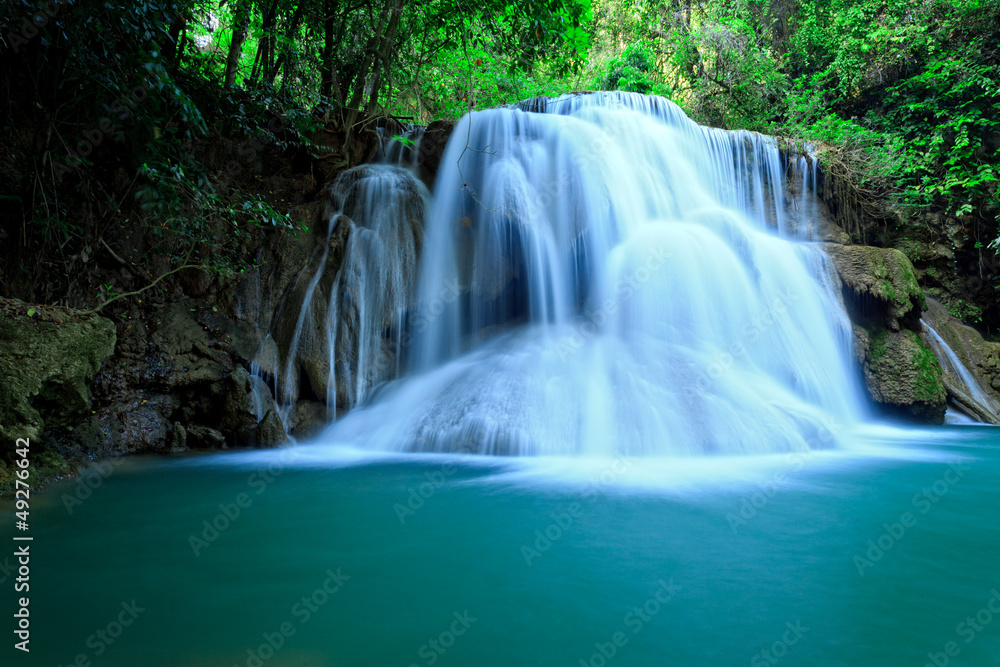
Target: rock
{"x": 270, "y": 432}
{"x": 312, "y": 356}
{"x": 880, "y": 288}
{"x": 179, "y": 443}
{"x": 308, "y": 419}
{"x": 203, "y": 437}
{"x": 884, "y": 302}
{"x": 980, "y": 357}
{"x": 903, "y": 376}
{"x": 811, "y": 222}
{"x": 239, "y": 413}
{"x": 431, "y": 150}
{"x": 187, "y": 353}
{"x": 47, "y": 361}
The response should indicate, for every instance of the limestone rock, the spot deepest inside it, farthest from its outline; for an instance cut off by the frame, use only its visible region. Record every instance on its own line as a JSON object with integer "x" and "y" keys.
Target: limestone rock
{"x": 903, "y": 376}
{"x": 884, "y": 302}
{"x": 237, "y": 402}
{"x": 308, "y": 419}
{"x": 979, "y": 356}
{"x": 270, "y": 432}
{"x": 203, "y": 437}
{"x": 47, "y": 361}
{"x": 879, "y": 285}
{"x": 431, "y": 150}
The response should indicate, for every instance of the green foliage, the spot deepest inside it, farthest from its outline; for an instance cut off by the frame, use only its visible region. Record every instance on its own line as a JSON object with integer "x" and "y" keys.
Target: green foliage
{"x": 900, "y": 96}
{"x": 965, "y": 311}
{"x": 635, "y": 70}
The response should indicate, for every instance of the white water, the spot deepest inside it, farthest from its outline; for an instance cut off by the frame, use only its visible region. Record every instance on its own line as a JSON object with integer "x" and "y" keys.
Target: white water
{"x": 611, "y": 277}
{"x": 382, "y": 207}
{"x": 950, "y": 360}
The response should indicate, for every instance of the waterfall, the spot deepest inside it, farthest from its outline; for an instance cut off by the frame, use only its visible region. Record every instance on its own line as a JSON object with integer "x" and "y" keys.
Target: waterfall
{"x": 600, "y": 274}
{"x": 955, "y": 369}
{"x": 806, "y": 174}
{"x": 336, "y": 334}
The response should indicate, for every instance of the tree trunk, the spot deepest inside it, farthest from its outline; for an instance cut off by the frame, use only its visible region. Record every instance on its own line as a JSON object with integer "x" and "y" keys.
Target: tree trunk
{"x": 241, "y": 25}
{"x": 326, "y": 60}
{"x": 371, "y": 53}
{"x": 283, "y": 63}
{"x": 385, "y": 52}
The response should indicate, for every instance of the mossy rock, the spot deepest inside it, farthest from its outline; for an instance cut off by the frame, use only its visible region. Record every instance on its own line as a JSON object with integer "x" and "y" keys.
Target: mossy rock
{"x": 48, "y": 357}
{"x": 881, "y": 285}
{"x": 903, "y": 376}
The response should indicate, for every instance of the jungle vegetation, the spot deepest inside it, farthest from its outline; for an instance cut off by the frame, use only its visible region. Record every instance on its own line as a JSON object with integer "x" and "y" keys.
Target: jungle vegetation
{"x": 902, "y": 95}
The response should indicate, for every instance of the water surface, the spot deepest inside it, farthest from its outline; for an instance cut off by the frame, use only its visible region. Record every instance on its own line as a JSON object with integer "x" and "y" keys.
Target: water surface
{"x": 702, "y": 561}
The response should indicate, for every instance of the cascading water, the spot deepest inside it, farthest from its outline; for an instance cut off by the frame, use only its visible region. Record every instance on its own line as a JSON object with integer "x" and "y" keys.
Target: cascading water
{"x": 953, "y": 367}
{"x": 600, "y": 274}
{"x": 335, "y": 332}
{"x": 806, "y": 173}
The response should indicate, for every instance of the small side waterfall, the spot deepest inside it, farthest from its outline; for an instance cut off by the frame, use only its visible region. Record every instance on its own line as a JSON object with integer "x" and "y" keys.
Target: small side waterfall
{"x": 335, "y": 336}
{"x": 962, "y": 384}
{"x": 806, "y": 176}
{"x": 601, "y": 274}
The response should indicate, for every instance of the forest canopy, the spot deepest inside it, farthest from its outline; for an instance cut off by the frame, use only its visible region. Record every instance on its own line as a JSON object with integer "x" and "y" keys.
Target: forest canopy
{"x": 901, "y": 95}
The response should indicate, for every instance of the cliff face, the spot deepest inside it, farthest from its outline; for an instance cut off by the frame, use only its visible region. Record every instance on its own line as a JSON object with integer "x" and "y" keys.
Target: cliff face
{"x": 48, "y": 359}
{"x": 930, "y": 253}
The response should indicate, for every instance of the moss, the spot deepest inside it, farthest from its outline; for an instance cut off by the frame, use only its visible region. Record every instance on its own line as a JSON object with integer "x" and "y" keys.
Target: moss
{"x": 929, "y": 382}
{"x": 47, "y": 361}
{"x": 889, "y": 291}
{"x": 878, "y": 346}
{"x": 43, "y": 467}
{"x": 885, "y": 274}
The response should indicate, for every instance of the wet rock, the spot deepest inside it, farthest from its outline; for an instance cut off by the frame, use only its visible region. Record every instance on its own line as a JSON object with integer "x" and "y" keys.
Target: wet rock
{"x": 47, "y": 362}
{"x": 270, "y": 432}
{"x": 903, "y": 376}
{"x": 308, "y": 419}
{"x": 238, "y": 408}
{"x": 979, "y": 356}
{"x": 203, "y": 437}
{"x": 187, "y": 354}
{"x": 880, "y": 287}
{"x": 179, "y": 443}
{"x": 884, "y": 302}
{"x": 431, "y": 150}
